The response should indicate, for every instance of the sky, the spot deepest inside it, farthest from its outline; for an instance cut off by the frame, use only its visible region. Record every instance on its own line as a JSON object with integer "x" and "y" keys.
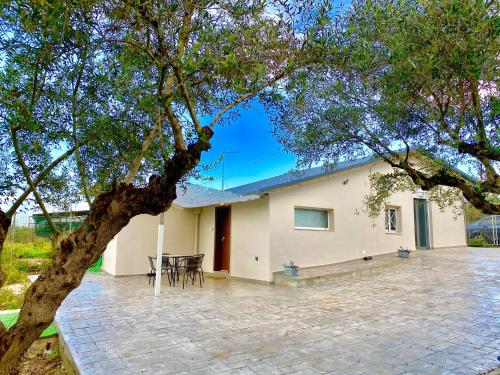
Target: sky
{"x": 251, "y": 151}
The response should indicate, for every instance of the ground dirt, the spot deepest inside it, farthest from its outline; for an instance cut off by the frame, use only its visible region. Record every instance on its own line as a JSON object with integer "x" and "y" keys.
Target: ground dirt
{"x": 43, "y": 357}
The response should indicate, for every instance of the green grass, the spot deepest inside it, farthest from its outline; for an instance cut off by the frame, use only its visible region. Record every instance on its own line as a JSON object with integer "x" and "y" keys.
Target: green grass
{"x": 22, "y": 259}
{"x": 9, "y": 319}
{"x": 18, "y": 261}
{"x": 9, "y": 300}
{"x": 36, "y": 249}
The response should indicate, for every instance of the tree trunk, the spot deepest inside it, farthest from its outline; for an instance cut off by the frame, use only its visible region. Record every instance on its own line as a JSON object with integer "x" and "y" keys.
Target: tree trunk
{"x": 4, "y": 228}
{"x": 109, "y": 213}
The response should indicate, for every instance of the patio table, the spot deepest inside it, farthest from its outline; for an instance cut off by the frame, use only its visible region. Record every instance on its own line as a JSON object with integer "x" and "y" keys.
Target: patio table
{"x": 175, "y": 260}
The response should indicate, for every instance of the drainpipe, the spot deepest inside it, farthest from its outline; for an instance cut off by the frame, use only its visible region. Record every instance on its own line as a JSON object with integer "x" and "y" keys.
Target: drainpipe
{"x": 197, "y": 213}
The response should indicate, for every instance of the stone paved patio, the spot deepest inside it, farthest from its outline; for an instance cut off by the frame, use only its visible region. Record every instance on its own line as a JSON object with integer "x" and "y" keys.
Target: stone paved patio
{"x": 440, "y": 315}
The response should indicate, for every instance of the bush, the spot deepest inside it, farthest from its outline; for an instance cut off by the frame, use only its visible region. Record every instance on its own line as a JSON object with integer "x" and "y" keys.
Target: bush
{"x": 477, "y": 242}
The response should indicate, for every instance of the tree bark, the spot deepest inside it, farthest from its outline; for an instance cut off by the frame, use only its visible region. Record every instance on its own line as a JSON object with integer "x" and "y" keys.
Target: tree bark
{"x": 109, "y": 213}
{"x": 5, "y": 222}
{"x": 472, "y": 193}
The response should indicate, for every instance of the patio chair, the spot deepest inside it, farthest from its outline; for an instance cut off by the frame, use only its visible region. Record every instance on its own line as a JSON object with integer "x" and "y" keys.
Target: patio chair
{"x": 166, "y": 267}
{"x": 193, "y": 265}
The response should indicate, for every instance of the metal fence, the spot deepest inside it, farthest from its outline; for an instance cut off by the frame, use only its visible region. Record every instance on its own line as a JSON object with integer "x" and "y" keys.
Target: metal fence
{"x": 26, "y": 228}
{"x": 64, "y": 222}
{"x": 487, "y": 228}
{"x": 22, "y": 229}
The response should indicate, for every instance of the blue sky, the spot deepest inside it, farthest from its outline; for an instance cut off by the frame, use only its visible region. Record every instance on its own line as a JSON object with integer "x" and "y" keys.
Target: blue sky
{"x": 253, "y": 153}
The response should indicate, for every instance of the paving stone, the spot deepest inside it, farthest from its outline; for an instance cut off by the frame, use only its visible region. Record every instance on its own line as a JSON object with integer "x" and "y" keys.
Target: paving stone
{"x": 437, "y": 315}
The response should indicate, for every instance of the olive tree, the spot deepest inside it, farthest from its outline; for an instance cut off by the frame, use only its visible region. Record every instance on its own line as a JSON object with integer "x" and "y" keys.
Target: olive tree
{"x": 414, "y": 83}
{"x": 114, "y": 102}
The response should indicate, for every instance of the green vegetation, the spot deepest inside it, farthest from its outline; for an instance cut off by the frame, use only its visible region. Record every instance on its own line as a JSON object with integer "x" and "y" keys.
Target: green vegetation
{"x": 21, "y": 235}
{"x": 477, "y": 242}
{"x": 10, "y": 319}
{"x": 9, "y": 300}
{"x": 405, "y": 75}
{"x": 18, "y": 261}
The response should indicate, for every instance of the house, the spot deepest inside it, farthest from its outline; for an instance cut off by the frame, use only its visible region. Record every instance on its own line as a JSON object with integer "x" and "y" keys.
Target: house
{"x": 314, "y": 217}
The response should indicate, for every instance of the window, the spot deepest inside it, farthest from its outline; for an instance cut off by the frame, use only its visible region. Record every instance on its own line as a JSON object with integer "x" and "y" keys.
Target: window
{"x": 393, "y": 220}
{"x": 312, "y": 218}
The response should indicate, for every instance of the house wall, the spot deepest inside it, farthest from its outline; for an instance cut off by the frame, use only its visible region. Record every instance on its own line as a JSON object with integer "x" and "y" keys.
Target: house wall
{"x": 264, "y": 228}
{"x": 206, "y": 237}
{"x": 249, "y": 238}
{"x": 354, "y": 234}
{"x": 109, "y": 257}
{"x": 448, "y": 228}
{"x": 139, "y": 239}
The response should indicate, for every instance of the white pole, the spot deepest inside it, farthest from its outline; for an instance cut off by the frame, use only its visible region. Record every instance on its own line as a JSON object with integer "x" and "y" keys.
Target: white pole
{"x": 159, "y": 255}
{"x": 196, "y": 231}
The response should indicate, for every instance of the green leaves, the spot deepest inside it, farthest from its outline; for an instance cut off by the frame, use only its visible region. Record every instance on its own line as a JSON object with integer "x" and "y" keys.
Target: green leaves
{"x": 398, "y": 74}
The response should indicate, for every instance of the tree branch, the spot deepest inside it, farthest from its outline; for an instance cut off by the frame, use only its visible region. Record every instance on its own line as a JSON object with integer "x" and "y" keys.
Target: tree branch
{"x": 187, "y": 99}
{"x": 244, "y": 97}
{"x": 38, "y": 198}
{"x": 136, "y": 164}
{"x": 12, "y": 210}
{"x": 79, "y": 162}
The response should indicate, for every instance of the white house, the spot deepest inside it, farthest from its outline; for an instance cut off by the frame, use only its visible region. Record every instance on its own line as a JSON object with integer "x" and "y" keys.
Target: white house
{"x": 314, "y": 217}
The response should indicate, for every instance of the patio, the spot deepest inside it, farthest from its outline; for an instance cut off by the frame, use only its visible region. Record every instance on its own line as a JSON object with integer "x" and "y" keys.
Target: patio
{"x": 440, "y": 315}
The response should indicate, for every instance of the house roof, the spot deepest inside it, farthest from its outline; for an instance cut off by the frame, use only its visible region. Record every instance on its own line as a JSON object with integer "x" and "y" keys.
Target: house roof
{"x": 191, "y": 196}
{"x": 295, "y": 177}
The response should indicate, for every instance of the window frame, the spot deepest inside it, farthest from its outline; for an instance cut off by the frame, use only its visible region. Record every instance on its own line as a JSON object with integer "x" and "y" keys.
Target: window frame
{"x": 329, "y": 217}
{"x": 397, "y": 217}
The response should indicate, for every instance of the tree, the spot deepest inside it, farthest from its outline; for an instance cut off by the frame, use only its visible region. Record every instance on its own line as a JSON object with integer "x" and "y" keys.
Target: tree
{"x": 114, "y": 102}
{"x": 414, "y": 83}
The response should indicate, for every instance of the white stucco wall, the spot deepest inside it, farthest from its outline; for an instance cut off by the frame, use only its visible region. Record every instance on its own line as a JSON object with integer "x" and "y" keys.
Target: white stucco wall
{"x": 250, "y": 239}
{"x": 139, "y": 238}
{"x": 109, "y": 257}
{"x": 265, "y": 229}
{"x": 448, "y": 228}
{"x": 206, "y": 237}
{"x": 353, "y": 231}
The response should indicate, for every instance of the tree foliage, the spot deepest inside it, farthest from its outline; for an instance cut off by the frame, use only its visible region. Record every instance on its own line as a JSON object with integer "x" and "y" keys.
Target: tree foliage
{"x": 405, "y": 77}
{"x": 114, "y": 102}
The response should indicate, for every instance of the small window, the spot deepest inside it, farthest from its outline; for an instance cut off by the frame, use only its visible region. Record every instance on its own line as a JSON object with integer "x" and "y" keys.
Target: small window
{"x": 312, "y": 218}
{"x": 392, "y": 220}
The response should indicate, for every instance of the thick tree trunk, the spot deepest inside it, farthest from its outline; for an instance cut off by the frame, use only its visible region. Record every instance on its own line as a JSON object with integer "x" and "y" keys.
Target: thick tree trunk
{"x": 4, "y": 228}
{"x": 109, "y": 213}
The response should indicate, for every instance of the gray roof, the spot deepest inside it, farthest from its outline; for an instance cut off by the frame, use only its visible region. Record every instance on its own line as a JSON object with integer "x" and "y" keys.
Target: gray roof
{"x": 294, "y": 177}
{"x": 191, "y": 196}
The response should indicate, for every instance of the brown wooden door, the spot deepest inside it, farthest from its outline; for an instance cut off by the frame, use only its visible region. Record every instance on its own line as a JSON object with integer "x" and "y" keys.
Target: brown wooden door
{"x": 222, "y": 238}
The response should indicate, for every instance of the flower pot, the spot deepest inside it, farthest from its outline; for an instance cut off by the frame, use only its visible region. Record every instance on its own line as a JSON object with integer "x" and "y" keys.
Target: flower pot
{"x": 404, "y": 253}
{"x": 291, "y": 270}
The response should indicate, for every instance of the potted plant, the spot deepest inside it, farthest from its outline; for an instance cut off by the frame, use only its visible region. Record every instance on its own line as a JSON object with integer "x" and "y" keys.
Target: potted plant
{"x": 291, "y": 269}
{"x": 403, "y": 253}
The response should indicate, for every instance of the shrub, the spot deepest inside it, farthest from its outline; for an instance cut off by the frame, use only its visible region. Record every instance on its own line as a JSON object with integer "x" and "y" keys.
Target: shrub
{"x": 477, "y": 242}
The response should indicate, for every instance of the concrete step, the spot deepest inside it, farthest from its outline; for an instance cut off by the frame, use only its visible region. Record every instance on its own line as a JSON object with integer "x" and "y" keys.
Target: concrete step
{"x": 357, "y": 268}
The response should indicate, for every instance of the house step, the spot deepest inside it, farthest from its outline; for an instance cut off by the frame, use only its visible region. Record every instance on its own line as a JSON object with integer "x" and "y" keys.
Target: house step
{"x": 351, "y": 269}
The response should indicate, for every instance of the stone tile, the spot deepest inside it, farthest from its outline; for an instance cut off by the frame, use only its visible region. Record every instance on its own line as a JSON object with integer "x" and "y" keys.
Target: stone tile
{"x": 437, "y": 315}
